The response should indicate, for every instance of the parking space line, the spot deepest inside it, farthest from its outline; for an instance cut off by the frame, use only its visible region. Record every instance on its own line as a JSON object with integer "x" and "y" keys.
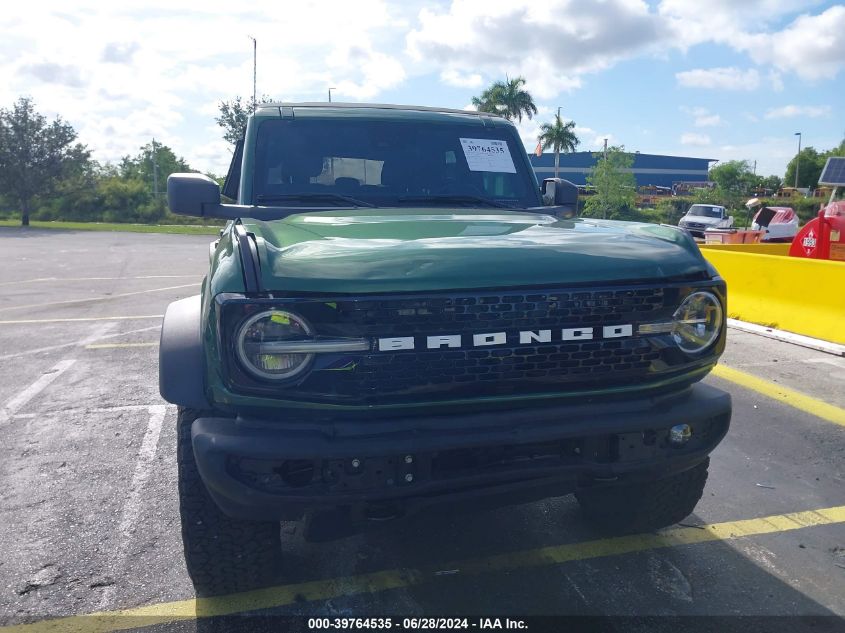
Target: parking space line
{"x": 274, "y": 597}
{"x": 132, "y": 506}
{"x": 796, "y": 399}
{"x": 119, "y": 345}
{"x": 64, "y": 279}
{"x": 99, "y": 335}
{"x": 80, "y": 319}
{"x": 15, "y": 403}
{"x": 90, "y": 299}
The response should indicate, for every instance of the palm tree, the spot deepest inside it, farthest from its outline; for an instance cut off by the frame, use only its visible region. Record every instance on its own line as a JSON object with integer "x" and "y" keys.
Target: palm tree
{"x": 559, "y": 136}
{"x": 507, "y": 98}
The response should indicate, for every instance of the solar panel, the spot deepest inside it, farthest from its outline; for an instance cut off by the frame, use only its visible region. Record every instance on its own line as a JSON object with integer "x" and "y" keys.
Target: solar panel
{"x": 833, "y": 172}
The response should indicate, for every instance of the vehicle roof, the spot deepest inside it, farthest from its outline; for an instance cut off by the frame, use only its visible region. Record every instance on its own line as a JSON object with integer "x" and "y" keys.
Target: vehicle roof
{"x": 324, "y": 108}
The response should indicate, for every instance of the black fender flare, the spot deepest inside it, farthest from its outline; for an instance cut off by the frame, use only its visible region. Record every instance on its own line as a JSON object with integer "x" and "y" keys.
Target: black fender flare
{"x": 181, "y": 362}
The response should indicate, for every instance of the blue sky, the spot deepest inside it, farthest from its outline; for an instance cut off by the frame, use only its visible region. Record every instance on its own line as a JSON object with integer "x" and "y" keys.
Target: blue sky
{"x": 718, "y": 79}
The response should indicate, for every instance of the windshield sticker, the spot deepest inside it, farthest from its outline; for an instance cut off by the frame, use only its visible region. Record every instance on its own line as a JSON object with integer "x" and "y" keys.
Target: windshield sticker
{"x": 488, "y": 155}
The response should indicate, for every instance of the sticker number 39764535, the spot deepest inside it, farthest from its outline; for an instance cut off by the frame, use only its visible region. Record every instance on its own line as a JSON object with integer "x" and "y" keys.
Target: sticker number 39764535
{"x": 488, "y": 155}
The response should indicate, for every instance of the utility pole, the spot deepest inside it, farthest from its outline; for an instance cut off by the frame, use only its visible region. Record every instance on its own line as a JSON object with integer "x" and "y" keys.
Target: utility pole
{"x": 606, "y": 183}
{"x": 330, "y": 93}
{"x": 254, "y": 69}
{"x": 798, "y": 160}
{"x": 155, "y": 171}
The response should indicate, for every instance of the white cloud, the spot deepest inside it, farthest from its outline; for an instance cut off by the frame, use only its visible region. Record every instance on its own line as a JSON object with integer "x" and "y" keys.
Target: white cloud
{"x": 461, "y": 80}
{"x": 379, "y": 71}
{"x": 729, "y": 78}
{"x": 790, "y": 111}
{"x": 551, "y": 43}
{"x": 592, "y": 140}
{"x": 695, "y": 139}
{"x": 703, "y": 117}
{"x": 121, "y": 73}
{"x": 726, "y": 21}
{"x": 812, "y": 46}
{"x": 775, "y": 81}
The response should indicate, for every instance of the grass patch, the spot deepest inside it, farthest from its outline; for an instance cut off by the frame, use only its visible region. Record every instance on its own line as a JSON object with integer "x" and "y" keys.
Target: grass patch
{"x": 181, "y": 229}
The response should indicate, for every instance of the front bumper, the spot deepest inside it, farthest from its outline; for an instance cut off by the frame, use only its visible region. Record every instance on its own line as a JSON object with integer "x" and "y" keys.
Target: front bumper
{"x": 278, "y": 469}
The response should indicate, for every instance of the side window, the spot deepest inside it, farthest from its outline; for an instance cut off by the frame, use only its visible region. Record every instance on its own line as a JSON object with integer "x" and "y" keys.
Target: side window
{"x": 233, "y": 177}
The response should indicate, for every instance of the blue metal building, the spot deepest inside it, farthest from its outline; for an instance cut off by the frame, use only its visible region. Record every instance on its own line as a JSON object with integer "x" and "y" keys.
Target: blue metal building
{"x": 648, "y": 169}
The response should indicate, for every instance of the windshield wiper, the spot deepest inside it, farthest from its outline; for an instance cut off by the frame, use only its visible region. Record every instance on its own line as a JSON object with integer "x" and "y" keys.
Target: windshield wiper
{"x": 455, "y": 198}
{"x": 313, "y": 195}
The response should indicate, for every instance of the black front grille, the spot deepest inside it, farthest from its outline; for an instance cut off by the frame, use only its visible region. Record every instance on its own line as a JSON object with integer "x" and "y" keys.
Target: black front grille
{"x": 421, "y": 374}
{"x": 502, "y": 370}
{"x": 472, "y": 314}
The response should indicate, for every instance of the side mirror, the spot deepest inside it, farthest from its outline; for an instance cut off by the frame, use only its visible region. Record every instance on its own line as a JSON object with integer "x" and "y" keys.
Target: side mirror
{"x": 561, "y": 194}
{"x": 192, "y": 194}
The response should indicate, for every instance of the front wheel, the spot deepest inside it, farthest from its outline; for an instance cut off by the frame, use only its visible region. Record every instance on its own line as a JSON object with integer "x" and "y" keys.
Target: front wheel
{"x": 644, "y": 507}
{"x": 223, "y": 555}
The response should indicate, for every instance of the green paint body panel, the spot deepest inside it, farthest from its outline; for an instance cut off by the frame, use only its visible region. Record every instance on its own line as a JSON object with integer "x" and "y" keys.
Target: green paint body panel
{"x": 409, "y": 250}
{"x": 385, "y": 250}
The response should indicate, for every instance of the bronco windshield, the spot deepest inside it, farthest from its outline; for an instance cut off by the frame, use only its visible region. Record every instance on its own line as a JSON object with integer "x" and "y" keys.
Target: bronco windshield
{"x": 390, "y": 163}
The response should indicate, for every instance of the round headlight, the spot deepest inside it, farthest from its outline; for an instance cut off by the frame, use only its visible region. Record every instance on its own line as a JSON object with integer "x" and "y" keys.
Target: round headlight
{"x": 697, "y": 322}
{"x": 260, "y": 344}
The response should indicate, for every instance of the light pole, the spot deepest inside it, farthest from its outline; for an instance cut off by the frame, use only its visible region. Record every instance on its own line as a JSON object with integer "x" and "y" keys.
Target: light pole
{"x": 254, "y": 68}
{"x": 606, "y": 183}
{"x": 330, "y": 93}
{"x": 155, "y": 171}
{"x": 798, "y": 159}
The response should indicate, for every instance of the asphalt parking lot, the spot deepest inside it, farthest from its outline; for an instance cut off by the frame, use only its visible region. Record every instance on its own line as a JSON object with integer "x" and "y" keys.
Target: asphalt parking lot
{"x": 89, "y": 515}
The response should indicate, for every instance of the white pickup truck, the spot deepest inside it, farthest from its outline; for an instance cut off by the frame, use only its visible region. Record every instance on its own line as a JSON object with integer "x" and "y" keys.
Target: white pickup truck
{"x": 701, "y": 217}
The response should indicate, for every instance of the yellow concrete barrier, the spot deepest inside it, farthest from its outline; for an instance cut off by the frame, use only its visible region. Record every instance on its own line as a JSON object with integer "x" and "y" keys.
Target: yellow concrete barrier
{"x": 805, "y": 296}
{"x": 761, "y": 249}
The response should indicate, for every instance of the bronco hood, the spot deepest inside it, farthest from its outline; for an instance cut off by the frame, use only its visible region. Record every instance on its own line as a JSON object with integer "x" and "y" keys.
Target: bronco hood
{"x": 392, "y": 250}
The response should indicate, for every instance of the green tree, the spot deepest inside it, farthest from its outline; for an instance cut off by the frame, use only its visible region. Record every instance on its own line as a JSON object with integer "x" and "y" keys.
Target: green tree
{"x": 616, "y": 188}
{"x": 75, "y": 195}
{"x": 125, "y": 199}
{"x": 35, "y": 155}
{"x": 771, "y": 182}
{"x": 507, "y": 98}
{"x": 559, "y": 136}
{"x": 809, "y": 171}
{"x": 234, "y": 114}
{"x": 734, "y": 177}
{"x": 152, "y": 165}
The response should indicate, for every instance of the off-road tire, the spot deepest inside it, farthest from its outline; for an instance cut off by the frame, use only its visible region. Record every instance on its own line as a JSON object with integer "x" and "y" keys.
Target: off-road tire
{"x": 644, "y": 507}
{"x": 223, "y": 555}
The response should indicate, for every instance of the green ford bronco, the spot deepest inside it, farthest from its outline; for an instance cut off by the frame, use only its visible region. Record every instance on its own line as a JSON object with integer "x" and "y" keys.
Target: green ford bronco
{"x": 397, "y": 316}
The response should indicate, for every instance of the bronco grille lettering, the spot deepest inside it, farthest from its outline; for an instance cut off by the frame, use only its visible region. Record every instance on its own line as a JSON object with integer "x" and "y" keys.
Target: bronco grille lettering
{"x": 484, "y": 339}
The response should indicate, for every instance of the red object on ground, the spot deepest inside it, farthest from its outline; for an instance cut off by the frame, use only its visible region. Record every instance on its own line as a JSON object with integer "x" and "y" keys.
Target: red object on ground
{"x": 822, "y": 237}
